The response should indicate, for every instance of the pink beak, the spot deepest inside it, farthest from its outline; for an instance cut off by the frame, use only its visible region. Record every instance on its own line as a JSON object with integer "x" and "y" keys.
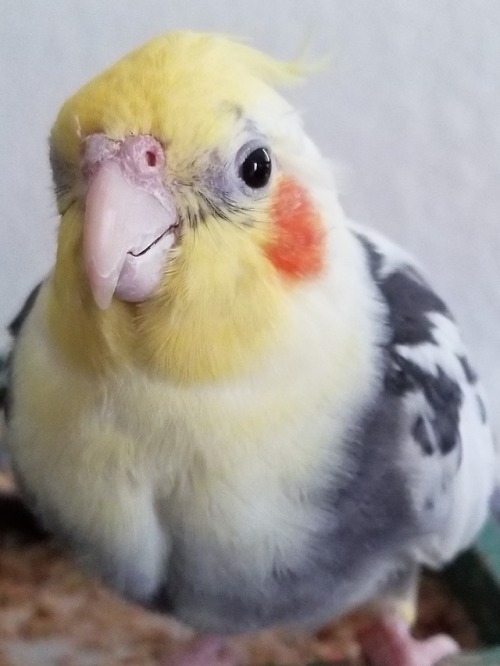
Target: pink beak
{"x": 130, "y": 218}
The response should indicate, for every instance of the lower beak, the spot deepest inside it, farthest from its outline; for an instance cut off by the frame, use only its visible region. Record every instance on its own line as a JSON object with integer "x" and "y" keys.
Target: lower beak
{"x": 127, "y": 235}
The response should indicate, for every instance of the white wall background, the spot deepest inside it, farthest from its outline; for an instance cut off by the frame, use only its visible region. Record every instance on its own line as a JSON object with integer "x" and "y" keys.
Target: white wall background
{"x": 410, "y": 106}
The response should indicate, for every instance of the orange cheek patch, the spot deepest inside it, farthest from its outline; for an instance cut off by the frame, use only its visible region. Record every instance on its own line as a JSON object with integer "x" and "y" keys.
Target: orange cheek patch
{"x": 298, "y": 245}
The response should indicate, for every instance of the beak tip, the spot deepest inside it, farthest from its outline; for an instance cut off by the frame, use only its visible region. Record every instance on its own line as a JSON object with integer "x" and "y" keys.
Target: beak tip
{"x": 102, "y": 297}
{"x": 103, "y": 305}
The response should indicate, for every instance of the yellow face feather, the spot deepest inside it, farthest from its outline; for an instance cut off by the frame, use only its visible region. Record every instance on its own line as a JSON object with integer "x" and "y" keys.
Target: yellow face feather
{"x": 221, "y": 301}
{"x": 182, "y": 88}
{"x": 221, "y": 305}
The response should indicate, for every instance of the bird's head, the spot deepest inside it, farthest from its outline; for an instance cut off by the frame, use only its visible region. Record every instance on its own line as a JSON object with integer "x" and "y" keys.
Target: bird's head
{"x": 189, "y": 202}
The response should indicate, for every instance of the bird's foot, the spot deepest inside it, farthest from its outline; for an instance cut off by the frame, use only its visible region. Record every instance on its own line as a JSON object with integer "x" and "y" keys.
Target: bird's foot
{"x": 388, "y": 642}
{"x": 203, "y": 652}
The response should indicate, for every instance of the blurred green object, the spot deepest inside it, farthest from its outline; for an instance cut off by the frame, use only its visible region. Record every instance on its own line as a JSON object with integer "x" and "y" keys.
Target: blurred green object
{"x": 483, "y": 658}
{"x": 488, "y": 546}
{"x": 474, "y": 578}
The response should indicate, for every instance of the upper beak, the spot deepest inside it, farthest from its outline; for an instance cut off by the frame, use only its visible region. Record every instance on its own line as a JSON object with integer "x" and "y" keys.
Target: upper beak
{"x": 128, "y": 229}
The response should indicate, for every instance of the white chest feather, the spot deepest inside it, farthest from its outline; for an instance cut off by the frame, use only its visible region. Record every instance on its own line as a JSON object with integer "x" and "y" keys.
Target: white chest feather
{"x": 228, "y": 465}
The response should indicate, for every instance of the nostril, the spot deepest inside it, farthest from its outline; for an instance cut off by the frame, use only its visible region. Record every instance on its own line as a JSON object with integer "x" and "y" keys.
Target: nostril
{"x": 141, "y": 154}
{"x": 151, "y": 158}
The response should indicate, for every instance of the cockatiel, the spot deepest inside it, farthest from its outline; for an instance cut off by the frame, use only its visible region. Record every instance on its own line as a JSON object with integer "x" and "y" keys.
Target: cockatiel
{"x": 229, "y": 401}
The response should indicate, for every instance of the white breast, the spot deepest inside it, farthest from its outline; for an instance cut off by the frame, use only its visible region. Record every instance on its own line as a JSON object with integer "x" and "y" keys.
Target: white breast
{"x": 128, "y": 463}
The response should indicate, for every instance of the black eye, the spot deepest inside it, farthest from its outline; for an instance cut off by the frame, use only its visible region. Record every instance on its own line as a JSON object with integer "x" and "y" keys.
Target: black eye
{"x": 256, "y": 169}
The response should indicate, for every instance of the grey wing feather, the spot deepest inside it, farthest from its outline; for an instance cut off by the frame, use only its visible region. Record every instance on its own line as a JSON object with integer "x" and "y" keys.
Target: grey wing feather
{"x": 447, "y": 445}
{"x": 3, "y": 381}
{"x": 17, "y": 523}
{"x": 14, "y": 329}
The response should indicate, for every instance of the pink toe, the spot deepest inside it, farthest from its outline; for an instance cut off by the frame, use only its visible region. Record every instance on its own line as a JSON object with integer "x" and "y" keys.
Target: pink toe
{"x": 206, "y": 651}
{"x": 436, "y": 648}
{"x": 388, "y": 642}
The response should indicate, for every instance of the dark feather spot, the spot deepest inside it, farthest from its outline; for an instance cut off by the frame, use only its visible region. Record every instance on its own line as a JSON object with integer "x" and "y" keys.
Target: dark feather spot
{"x": 16, "y": 324}
{"x": 14, "y": 329}
{"x": 373, "y": 255}
{"x": 430, "y": 504}
{"x": 421, "y": 434}
{"x": 441, "y": 392}
{"x": 63, "y": 173}
{"x": 409, "y": 298}
{"x": 469, "y": 371}
{"x": 483, "y": 414}
{"x": 410, "y": 302}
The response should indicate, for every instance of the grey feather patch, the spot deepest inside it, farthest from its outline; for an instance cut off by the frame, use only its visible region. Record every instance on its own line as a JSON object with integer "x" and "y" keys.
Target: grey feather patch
{"x": 470, "y": 373}
{"x": 410, "y": 301}
{"x": 18, "y": 321}
{"x": 441, "y": 392}
{"x": 409, "y": 298}
{"x": 428, "y": 370}
{"x": 14, "y": 329}
{"x": 481, "y": 408}
{"x": 420, "y": 432}
{"x": 63, "y": 174}
{"x": 372, "y": 500}
{"x": 3, "y": 381}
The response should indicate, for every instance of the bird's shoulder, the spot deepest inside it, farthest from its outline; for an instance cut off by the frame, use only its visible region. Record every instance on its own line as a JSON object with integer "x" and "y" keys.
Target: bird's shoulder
{"x": 425, "y": 353}
{"x": 443, "y": 428}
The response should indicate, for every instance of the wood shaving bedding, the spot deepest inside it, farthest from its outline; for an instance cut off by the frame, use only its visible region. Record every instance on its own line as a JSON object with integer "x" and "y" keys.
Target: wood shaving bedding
{"x": 53, "y": 614}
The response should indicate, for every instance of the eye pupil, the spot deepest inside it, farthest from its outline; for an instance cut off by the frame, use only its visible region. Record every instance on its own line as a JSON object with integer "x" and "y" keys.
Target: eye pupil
{"x": 256, "y": 168}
